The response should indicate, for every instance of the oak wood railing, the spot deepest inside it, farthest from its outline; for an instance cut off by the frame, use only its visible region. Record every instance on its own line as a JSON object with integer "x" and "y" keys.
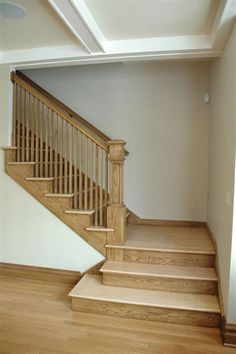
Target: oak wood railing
{"x": 82, "y": 161}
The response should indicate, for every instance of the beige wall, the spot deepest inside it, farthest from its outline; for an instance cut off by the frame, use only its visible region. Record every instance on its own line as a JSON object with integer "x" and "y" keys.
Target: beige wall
{"x": 29, "y": 233}
{"x": 158, "y": 109}
{"x": 222, "y": 165}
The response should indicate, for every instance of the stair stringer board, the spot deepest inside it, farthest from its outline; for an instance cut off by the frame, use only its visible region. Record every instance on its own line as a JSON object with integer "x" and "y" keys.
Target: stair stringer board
{"x": 97, "y": 242}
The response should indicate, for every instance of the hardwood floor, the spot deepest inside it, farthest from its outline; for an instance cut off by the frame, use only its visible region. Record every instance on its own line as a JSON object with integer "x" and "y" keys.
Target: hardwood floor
{"x": 36, "y": 318}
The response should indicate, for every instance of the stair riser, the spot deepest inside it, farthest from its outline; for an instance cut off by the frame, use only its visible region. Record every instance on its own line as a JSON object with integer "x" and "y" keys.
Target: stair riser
{"x": 162, "y": 258}
{"x": 21, "y": 171}
{"x": 192, "y": 318}
{"x": 160, "y": 283}
{"x": 60, "y": 202}
{"x": 85, "y": 220}
{"x": 10, "y": 155}
{"x": 43, "y": 186}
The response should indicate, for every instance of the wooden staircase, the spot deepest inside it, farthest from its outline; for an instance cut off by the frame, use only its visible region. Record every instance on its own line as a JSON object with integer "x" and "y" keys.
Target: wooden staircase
{"x": 158, "y": 273}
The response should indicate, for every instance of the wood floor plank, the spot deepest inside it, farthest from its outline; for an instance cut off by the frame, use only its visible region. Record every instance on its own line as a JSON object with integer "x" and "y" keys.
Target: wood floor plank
{"x": 36, "y": 317}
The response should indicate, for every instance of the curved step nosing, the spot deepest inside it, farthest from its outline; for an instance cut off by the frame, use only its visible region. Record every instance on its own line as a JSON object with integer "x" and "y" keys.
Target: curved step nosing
{"x": 181, "y": 308}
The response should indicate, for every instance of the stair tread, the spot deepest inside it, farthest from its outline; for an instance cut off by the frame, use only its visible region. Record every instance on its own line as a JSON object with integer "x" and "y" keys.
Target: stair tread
{"x": 168, "y": 238}
{"x": 91, "y": 287}
{"x": 60, "y": 195}
{"x": 98, "y": 228}
{"x": 21, "y": 163}
{"x": 36, "y": 179}
{"x": 156, "y": 270}
{"x": 79, "y": 211}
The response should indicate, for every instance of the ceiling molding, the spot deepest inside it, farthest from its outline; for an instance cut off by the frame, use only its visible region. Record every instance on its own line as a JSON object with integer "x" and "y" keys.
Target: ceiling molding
{"x": 78, "y": 19}
{"x": 41, "y": 54}
{"x": 223, "y": 24}
{"x": 159, "y": 45}
{"x": 72, "y": 57}
{"x": 97, "y": 50}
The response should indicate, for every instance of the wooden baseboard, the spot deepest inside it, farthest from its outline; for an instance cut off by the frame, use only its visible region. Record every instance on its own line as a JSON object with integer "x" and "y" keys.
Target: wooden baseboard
{"x": 94, "y": 269}
{"x": 136, "y": 220}
{"x": 217, "y": 268}
{"x": 40, "y": 273}
{"x": 228, "y": 332}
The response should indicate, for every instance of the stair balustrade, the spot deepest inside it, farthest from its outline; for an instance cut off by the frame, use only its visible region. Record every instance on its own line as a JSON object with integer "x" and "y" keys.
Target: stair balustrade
{"x": 82, "y": 161}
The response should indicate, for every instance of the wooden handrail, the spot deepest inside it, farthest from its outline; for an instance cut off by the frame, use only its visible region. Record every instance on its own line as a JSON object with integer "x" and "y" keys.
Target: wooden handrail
{"x": 50, "y": 101}
{"x": 72, "y": 117}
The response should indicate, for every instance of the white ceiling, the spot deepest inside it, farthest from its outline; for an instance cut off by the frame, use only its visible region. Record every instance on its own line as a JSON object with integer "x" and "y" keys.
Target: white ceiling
{"x": 70, "y": 32}
{"x": 128, "y": 19}
{"x": 41, "y": 27}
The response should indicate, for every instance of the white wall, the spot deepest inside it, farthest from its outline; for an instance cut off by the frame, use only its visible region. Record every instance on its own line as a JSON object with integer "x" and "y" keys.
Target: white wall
{"x": 222, "y": 166}
{"x": 158, "y": 109}
{"x": 29, "y": 233}
{"x": 5, "y": 109}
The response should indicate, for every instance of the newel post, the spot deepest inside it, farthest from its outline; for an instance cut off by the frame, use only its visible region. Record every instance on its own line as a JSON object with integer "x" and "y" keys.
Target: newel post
{"x": 116, "y": 211}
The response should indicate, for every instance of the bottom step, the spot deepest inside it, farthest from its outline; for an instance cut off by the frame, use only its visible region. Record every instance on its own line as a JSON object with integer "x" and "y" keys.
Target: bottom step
{"x": 90, "y": 295}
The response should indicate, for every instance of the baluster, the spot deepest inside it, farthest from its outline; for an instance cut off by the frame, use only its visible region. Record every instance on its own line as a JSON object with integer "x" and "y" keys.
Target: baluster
{"x": 96, "y": 184}
{"x": 50, "y": 117}
{"x": 56, "y": 152}
{"x": 41, "y": 138}
{"x": 60, "y": 132}
{"x": 75, "y": 168}
{"x": 18, "y": 121}
{"x": 23, "y": 126}
{"x": 14, "y": 114}
{"x": 32, "y": 120}
{"x": 101, "y": 188}
{"x": 27, "y": 123}
{"x": 80, "y": 171}
{"x": 106, "y": 178}
{"x": 66, "y": 157}
{"x": 37, "y": 137}
{"x": 70, "y": 158}
{"x": 91, "y": 175}
{"x": 46, "y": 140}
{"x": 86, "y": 173}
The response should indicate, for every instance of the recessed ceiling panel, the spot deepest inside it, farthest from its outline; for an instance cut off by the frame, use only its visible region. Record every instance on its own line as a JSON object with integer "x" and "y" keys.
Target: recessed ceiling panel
{"x": 40, "y": 27}
{"x": 129, "y": 19}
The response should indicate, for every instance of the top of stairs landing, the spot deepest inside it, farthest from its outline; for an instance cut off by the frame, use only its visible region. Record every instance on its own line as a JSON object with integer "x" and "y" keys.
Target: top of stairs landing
{"x": 168, "y": 238}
